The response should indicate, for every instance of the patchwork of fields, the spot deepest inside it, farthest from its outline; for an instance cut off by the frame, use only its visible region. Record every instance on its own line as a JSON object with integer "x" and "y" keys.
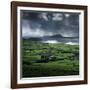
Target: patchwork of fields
{"x": 49, "y": 59}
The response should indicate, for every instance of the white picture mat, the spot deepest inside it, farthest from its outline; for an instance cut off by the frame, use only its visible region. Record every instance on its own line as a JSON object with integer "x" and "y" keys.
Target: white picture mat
{"x": 54, "y": 78}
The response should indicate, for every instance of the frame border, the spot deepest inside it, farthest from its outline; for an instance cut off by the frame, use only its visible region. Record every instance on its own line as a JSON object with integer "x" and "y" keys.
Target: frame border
{"x": 14, "y": 5}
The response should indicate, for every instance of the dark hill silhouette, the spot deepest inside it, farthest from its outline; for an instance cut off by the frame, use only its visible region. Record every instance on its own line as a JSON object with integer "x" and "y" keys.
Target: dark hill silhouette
{"x": 56, "y": 37}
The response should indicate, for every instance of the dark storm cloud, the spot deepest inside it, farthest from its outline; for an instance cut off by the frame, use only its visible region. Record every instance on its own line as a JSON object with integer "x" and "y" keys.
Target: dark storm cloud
{"x": 37, "y": 23}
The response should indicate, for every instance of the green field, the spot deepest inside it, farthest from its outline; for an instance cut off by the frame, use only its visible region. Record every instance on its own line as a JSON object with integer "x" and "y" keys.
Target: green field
{"x": 43, "y": 59}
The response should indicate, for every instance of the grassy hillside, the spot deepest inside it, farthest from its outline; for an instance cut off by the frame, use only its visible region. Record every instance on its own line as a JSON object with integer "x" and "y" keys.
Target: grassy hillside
{"x": 43, "y": 59}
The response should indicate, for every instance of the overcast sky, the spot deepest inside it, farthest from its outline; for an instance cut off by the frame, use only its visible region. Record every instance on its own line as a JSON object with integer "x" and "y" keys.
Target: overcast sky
{"x": 38, "y": 23}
